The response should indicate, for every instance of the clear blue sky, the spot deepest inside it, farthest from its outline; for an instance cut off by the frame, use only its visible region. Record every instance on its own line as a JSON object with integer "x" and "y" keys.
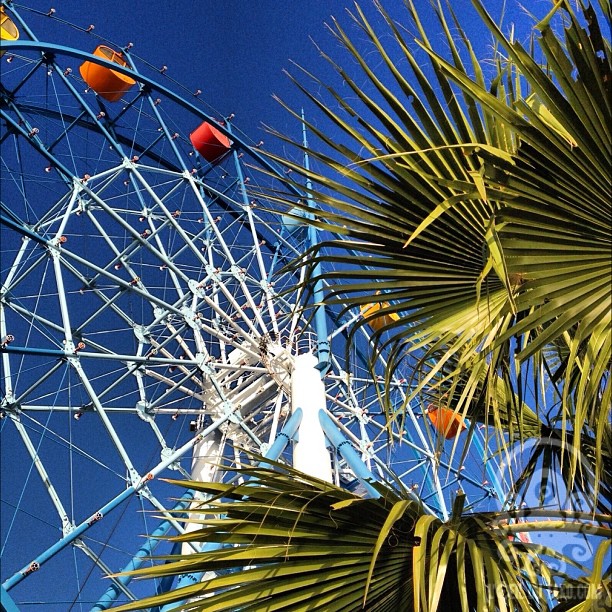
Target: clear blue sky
{"x": 235, "y": 50}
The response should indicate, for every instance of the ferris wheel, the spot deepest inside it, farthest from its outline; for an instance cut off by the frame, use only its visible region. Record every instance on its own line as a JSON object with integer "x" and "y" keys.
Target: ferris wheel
{"x": 149, "y": 326}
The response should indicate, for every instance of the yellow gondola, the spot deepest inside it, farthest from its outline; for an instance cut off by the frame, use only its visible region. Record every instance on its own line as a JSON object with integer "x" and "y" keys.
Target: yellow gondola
{"x": 377, "y": 323}
{"x": 8, "y": 30}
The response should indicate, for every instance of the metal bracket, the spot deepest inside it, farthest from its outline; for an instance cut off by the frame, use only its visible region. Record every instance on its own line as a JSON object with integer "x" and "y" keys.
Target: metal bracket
{"x": 267, "y": 287}
{"x": 202, "y": 361}
{"x": 134, "y": 476}
{"x": 145, "y": 492}
{"x": 366, "y": 448}
{"x": 143, "y": 410}
{"x": 238, "y": 272}
{"x": 213, "y": 273}
{"x": 10, "y": 405}
{"x": 190, "y": 317}
{"x": 229, "y": 409}
{"x": 141, "y": 333}
{"x": 196, "y": 287}
{"x": 67, "y": 526}
{"x": 168, "y": 452}
{"x": 128, "y": 164}
{"x": 363, "y": 417}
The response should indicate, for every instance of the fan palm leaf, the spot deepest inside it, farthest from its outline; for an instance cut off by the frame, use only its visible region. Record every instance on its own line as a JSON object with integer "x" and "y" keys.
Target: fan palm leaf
{"x": 596, "y": 590}
{"x": 473, "y": 202}
{"x": 480, "y": 215}
{"x": 284, "y": 541}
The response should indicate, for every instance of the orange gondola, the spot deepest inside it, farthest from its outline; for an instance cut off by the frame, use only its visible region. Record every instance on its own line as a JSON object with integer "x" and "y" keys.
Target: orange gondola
{"x": 107, "y": 83}
{"x": 446, "y": 422}
{"x": 209, "y": 142}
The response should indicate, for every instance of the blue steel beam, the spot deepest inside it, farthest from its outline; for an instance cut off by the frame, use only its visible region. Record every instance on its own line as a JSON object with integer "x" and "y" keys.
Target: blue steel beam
{"x": 108, "y": 507}
{"x": 318, "y": 295}
{"x": 350, "y": 455}
{"x": 283, "y": 438}
{"x": 491, "y": 472}
{"x": 352, "y": 458}
{"x": 46, "y": 48}
{"x": 6, "y": 602}
{"x": 111, "y": 594}
{"x": 49, "y": 58}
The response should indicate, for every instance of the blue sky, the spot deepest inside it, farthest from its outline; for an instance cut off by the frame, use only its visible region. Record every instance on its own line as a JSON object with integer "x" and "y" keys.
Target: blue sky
{"x": 235, "y": 51}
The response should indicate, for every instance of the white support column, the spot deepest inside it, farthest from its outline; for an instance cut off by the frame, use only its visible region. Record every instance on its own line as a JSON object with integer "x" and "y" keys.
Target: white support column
{"x": 207, "y": 456}
{"x": 310, "y": 454}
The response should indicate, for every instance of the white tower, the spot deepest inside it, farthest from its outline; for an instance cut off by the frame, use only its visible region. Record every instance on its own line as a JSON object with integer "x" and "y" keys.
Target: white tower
{"x": 310, "y": 454}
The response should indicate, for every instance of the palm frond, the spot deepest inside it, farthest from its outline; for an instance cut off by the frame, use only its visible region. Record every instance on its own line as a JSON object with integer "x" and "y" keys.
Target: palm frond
{"x": 479, "y": 215}
{"x": 284, "y": 541}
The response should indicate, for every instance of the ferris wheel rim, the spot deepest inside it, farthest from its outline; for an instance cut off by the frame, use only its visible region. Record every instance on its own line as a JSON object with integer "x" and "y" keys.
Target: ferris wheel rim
{"x": 44, "y": 47}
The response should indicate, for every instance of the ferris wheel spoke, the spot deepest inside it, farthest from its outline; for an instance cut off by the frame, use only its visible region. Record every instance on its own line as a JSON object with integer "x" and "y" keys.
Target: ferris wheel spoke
{"x": 37, "y": 426}
{"x": 94, "y": 116}
{"x": 105, "y": 419}
{"x": 114, "y": 502}
{"x": 169, "y": 136}
{"x": 172, "y": 384}
{"x": 57, "y": 213}
{"x": 38, "y": 391}
{"x": 231, "y": 318}
{"x": 138, "y": 240}
{"x": 94, "y": 557}
{"x": 38, "y": 327}
{"x": 263, "y": 273}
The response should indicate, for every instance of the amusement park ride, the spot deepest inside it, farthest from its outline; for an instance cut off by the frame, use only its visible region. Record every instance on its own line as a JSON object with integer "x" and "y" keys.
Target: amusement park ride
{"x": 150, "y": 328}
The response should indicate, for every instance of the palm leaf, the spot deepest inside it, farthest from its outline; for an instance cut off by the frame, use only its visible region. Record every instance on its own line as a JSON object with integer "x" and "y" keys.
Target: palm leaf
{"x": 596, "y": 590}
{"x": 285, "y": 541}
{"x": 483, "y": 215}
